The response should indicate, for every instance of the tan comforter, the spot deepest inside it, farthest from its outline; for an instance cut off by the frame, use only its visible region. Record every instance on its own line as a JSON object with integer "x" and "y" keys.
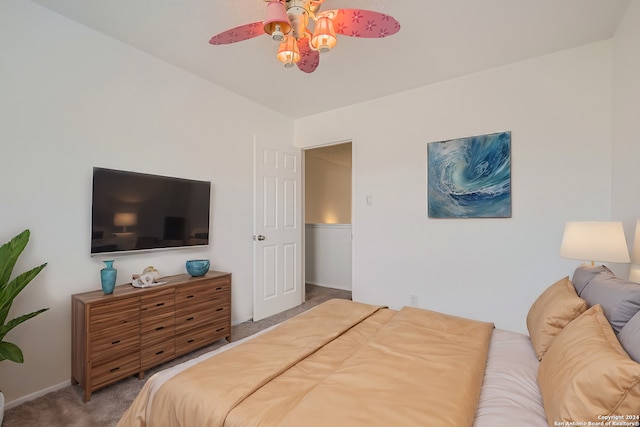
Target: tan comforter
{"x": 342, "y": 363}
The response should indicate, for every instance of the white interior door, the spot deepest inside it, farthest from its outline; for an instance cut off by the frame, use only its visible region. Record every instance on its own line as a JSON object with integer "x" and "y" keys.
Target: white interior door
{"x": 277, "y": 245}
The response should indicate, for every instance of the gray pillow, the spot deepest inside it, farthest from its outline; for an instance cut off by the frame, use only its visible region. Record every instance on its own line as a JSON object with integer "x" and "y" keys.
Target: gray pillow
{"x": 620, "y": 299}
{"x": 629, "y": 337}
{"x": 585, "y": 273}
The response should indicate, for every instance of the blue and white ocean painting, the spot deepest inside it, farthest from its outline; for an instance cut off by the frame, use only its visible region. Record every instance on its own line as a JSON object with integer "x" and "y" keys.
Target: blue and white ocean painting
{"x": 470, "y": 177}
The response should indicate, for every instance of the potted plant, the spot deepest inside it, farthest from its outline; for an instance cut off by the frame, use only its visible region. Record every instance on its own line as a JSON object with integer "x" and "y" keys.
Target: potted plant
{"x": 9, "y": 290}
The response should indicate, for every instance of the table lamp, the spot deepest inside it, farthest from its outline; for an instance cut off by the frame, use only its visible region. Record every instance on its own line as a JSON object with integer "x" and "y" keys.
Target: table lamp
{"x": 595, "y": 241}
{"x": 634, "y": 271}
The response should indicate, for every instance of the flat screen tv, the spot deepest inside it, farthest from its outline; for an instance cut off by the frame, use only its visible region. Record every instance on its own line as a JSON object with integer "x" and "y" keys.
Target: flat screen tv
{"x": 134, "y": 212}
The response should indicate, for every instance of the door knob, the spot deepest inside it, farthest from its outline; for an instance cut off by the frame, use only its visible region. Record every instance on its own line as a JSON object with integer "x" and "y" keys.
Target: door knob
{"x": 260, "y": 237}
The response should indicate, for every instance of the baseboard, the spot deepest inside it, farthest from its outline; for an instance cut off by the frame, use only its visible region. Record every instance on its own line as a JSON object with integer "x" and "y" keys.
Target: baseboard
{"x": 342, "y": 288}
{"x": 37, "y": 394}
{"x": 238, "y": 321}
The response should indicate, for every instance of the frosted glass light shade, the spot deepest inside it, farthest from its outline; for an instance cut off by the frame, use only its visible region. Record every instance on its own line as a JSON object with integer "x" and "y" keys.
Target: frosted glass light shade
{"x": 324, "y": 35}
{"x": 288, "y": 52}
{"x": 594, "y": 241}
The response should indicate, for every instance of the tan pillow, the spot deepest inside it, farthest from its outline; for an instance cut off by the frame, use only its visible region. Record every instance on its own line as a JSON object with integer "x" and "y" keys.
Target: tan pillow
{"x": 558, "y": 305}
{"x": 586, "y": 374}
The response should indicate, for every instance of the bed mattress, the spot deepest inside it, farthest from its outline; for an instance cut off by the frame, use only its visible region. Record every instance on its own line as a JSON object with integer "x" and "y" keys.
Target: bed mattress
{"x": 509, "y": 394}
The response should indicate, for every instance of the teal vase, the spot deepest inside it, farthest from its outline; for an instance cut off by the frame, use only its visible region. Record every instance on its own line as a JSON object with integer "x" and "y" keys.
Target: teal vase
{"x": 108, "y": 277}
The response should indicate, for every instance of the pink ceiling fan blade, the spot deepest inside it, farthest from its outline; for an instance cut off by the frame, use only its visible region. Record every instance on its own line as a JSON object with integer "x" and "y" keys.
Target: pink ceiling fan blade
{"x": 363, "y": 23}
{"x": 309, "y": 59}
{"x": 238, "y": 34}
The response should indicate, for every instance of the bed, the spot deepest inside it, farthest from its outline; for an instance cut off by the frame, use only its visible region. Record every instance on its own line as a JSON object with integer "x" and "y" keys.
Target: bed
{"x": 353, "y": 364}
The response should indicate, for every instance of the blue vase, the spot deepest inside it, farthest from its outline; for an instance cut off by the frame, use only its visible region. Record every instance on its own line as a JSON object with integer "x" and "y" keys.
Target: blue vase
{"x": 108, "y": 277}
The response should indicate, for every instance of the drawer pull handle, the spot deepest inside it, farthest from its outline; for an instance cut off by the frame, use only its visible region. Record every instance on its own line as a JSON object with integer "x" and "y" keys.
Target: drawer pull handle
{"x": 115, "y": 342}
{"x": 219, "y": 329}
{"x": 159, "y": 352}
{"x": 189, "y": 319}
{"x": 190, "y": 296}
{"x": 160, "y": 304}
{"x": 190, "y": 341}
{"x": 115, "y": 369}
{"x": 219, "y": 289}
{"x": 159, "y": 328}
{"x": 220, "y": 309}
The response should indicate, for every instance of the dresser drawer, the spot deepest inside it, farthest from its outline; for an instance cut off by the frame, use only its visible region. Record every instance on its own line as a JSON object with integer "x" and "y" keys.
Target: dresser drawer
{"x": 104, "y": 373}
{"x": 153, "y": 355}
{"x": 157, "y": 303}
{"x": 221, "y": 286}
{"x": 194, "y": 294}
{"x": 112, "y": 314}
{"x": 112, "y": 342}
{"x": 222, "y": 311}
{"x": 194, "y": 339}
{"x": 193, "y": 317}
{"x": 157, "y": 328}
{"x": 221, "y": 329}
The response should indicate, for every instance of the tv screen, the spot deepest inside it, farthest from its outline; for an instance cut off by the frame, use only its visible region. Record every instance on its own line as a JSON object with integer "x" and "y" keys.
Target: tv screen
{"x": 134, "y": 211}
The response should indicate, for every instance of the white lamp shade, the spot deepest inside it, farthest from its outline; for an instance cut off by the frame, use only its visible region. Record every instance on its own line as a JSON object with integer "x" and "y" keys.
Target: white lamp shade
{"x": 125, "y": 219}
{"x": 634, "y": 271}
{"x": 635, "y": 251}
{"x": 595, "y": 241}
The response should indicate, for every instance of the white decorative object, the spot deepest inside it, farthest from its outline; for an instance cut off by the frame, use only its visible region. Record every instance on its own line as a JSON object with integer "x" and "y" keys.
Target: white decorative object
{"x": 145, "y": 281}
{"x": 155, "y": 273}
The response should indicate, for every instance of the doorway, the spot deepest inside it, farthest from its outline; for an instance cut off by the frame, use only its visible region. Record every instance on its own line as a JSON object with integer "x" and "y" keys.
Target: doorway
{"x": 327, "y": 213}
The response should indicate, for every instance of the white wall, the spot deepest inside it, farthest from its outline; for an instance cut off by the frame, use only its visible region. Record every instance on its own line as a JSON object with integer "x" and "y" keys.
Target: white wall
{"x": 71, "y": 99}
{"x": 558, "y": 108}
{"x": 626, "y": 114}
{"x": 328, "y": 255}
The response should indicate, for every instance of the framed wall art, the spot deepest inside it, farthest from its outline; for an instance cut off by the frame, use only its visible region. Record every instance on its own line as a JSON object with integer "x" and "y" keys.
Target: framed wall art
{"x": 470, "y": 177}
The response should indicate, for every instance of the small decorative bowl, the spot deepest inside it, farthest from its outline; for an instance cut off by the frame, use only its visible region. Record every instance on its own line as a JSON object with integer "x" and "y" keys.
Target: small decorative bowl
{"x": 197, "y": 267}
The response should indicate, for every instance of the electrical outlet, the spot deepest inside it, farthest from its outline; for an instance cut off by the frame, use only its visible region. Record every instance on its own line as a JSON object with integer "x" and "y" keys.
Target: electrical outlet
{"x": 413, "y": 300}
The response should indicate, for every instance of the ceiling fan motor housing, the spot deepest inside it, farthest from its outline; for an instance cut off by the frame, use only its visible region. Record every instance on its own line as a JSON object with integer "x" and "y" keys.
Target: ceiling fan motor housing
{"x": 298, "y": 12}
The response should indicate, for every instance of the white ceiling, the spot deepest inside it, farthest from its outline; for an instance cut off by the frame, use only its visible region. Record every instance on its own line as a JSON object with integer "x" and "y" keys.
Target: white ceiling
{"x": 439, "y": 40}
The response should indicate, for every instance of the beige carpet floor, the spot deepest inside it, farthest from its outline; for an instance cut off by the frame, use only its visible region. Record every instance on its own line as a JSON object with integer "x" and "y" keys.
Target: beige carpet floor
{"x": 64, "y": 407}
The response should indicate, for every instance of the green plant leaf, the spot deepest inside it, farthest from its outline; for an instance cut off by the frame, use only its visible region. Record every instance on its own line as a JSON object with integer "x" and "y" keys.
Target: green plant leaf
{"x": 10, "y": 291}
{"x": 9, "y": 253}
{"x": 15, "y": 322}
{"x": 9, "y": 351}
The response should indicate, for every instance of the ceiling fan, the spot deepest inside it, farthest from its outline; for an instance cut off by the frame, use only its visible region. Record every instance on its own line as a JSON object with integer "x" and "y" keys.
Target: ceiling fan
{"x": 288, "y": 21}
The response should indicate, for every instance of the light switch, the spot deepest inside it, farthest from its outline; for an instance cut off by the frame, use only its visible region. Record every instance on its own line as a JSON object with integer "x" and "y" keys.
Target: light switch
{"x": 369, "y": 199}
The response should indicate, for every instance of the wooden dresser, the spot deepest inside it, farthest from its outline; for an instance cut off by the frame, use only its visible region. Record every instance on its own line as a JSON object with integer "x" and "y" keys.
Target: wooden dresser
{"x": 123, "y": 334}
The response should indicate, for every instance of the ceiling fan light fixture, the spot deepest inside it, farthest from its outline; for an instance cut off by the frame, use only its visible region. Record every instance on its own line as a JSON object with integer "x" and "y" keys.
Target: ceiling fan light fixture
{"x": 277, "y": 20}
{"x": 290, "y": 22}
{"x": 288, "y": 52}
{"x": 324, "y": 35}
